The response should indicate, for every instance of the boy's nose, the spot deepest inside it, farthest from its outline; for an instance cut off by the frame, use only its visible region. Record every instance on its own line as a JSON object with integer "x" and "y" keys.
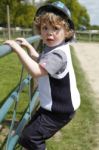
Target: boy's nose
{"x": 50, "y": 32}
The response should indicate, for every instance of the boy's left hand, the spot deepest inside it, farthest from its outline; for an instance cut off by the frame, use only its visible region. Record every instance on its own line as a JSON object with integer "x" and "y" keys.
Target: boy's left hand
{"x": 23, "y": 42}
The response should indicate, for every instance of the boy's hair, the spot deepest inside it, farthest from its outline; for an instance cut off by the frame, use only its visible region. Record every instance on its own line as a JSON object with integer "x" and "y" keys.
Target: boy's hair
{"x": 54, "y": 19}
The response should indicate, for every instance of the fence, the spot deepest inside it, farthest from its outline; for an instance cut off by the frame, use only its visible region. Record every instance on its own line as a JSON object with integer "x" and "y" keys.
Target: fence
{"x": 13, "y": 98}
{"x": 86, "y": 35}
{"x": 15, "y": 32}
{"x": 89, "y": 36}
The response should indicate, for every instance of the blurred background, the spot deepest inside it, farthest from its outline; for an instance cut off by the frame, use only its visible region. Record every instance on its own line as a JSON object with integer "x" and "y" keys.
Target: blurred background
{"x": 16, "y": 18}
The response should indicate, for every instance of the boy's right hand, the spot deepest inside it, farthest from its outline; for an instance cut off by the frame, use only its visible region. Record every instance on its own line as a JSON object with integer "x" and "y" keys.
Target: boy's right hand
{"x": 14, "y": 45}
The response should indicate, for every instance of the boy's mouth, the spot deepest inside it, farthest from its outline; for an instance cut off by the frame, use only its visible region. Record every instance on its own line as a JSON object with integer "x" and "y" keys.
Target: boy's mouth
{"x": 50, "y": 39}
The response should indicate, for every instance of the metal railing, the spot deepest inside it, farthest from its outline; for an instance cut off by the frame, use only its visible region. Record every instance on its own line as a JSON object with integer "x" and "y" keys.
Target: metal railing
{"x": 88, "y": 35}
{"x": 15, "y": 32}
{"x": 4, "y": 50}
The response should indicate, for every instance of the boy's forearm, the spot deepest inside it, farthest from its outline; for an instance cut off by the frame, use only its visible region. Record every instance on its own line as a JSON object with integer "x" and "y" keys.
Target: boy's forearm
{"x": 32, "y": 66}
{"x": 32, "y": 52}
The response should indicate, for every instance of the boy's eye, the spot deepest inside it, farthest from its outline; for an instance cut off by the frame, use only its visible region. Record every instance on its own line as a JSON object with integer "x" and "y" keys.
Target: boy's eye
{"x": 56, "y": 28}
{"x": 44, "y": 28}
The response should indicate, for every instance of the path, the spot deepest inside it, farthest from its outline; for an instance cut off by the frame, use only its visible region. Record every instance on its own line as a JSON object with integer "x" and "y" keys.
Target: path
{"x": 88, "y": 55}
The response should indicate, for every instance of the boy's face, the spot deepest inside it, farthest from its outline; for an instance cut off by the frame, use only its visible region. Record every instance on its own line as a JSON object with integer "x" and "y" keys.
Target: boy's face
{"x": 52, "y": 35}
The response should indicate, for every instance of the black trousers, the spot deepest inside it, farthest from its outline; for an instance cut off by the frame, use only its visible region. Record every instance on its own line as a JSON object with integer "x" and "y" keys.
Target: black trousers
{"x": 42, "y": 126}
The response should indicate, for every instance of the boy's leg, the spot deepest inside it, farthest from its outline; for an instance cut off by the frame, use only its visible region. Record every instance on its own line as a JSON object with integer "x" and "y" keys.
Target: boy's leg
{"x": 44, "y": 126}
{"x": 30, "y": 138}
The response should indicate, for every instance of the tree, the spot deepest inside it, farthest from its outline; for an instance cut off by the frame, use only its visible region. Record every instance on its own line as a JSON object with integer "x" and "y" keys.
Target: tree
{"x": 79, "y": 13}
{"x": 24, "y": 15}
{"x": 20, "y": 14}
{"x": 3, "y": 10}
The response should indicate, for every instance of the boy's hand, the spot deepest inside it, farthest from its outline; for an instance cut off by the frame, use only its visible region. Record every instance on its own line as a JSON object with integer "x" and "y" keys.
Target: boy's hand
{"x": 31, "y": 50}
{"x": 14, "y": 45}
{"x": 23, "y": 42}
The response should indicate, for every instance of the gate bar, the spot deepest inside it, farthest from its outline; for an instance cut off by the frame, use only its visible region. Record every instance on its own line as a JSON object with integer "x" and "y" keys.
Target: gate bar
{"x": 6, "y": 49}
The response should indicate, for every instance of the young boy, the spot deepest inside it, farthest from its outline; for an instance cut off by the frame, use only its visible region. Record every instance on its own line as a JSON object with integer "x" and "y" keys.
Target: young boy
{"x": 59, "y": 96}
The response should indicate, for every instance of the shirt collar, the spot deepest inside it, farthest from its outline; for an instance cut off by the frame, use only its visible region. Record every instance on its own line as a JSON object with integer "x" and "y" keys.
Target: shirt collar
{"x": 47, "y": 48}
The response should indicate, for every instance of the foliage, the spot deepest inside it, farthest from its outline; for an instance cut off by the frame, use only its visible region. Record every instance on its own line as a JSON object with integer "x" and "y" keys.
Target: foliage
{"x": 94, "y": 27}
{"x": 24, "y": 16}
{"x": 78, "y": 12}
{"x": 20, "y": 14}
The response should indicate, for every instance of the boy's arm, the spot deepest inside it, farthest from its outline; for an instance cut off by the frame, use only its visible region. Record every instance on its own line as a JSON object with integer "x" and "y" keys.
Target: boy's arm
{"x": 32, "y": 66}
{"x": 54, "y": 62}
{"x": 31, "y": 50}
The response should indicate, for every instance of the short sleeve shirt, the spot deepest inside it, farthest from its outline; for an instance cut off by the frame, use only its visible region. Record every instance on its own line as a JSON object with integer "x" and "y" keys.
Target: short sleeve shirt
{"x": 53, "y": 61}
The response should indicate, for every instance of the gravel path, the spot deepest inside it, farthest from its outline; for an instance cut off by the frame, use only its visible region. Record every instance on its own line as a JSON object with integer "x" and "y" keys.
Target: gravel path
{"x": 88, "y": 55}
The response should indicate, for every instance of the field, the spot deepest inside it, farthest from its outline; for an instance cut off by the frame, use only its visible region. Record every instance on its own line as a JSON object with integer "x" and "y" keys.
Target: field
{"x": 79, "y": 133}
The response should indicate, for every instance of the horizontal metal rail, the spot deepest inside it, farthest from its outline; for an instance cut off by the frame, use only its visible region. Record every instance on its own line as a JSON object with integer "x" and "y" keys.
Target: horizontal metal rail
{"x": 14, "y": 138}
{"x": 6, "y": 49}
{"x": 10, "y": 100}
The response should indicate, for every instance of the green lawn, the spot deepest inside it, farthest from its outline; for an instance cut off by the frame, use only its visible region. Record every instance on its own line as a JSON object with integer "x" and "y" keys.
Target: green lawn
{"x": 79, "y": 133}
{"x": 10, "y": 70}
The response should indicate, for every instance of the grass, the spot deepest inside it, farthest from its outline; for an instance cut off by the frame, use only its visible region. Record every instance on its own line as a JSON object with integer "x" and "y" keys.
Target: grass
{"x": 79, "y": 133}
{"x": 10, "y": 70}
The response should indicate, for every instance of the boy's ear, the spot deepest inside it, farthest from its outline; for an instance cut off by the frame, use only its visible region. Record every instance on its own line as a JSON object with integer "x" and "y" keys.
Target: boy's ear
{"x": 69, "y": 34}
{"x": 66, "y": 33}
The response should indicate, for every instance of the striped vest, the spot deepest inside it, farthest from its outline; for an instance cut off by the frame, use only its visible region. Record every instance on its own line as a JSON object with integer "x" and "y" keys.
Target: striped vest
{"x": 59, "y": 93}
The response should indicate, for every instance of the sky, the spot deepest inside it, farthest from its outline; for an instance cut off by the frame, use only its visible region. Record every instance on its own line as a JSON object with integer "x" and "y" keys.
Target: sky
{"x": 92, "y": 7}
